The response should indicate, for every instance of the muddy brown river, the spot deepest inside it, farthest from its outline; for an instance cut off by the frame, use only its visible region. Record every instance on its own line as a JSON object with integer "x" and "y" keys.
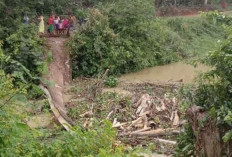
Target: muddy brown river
{"x": 170, "y": 72}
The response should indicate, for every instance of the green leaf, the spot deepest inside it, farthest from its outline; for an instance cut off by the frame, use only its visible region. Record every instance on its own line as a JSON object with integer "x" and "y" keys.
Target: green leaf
{"x": 227, "y": 136}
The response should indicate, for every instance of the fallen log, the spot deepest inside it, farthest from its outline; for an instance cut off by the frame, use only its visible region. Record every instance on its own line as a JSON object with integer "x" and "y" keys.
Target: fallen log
{"x": 135, "y": 122}
{"x": 176, "y": 119}
{"x": 117, "y": 124}
{"x": 56, "y": 111}
{"x": 156, "y": 132}
{"x": 165, "y": 141}
{"x": 141, "y": 130}
{"x": 109, "y": 115}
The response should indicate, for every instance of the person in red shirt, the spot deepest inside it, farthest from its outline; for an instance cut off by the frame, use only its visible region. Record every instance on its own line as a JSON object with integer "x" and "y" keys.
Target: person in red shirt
{"x": 65, "y": 23}
{"x": 223, "y": 4}
{"x": 50, "y": 24}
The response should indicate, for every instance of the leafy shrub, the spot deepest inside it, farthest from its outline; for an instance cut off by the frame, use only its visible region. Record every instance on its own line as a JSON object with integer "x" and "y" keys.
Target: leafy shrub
{"x": 217, "y": 17}
{"x": 35, "y": 91}
{"x": 214, "y": 91}
{"x": 111, "y": 81}
{"x": 117, "y": 43}
{"x": 93, "y": 45}
{"x": 186, "y": 141}
{"x": 131, "y": 17}
{"x": 24, "y": 55}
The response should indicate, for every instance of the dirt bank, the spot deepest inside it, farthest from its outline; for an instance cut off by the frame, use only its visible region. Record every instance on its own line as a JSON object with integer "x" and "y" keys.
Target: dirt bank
{"x": 59, "y": 70}
{"x": 182, "y": 11}
{"x": 58, "y": 76}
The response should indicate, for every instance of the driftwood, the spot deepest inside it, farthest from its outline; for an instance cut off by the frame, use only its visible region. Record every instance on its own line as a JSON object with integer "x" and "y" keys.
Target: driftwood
{"x": 117, "y": 124}
{"x": 99, "y": 84}
{"x": 146, "y": 110}
{"x": 133, "y": 123}
{"x": 109, "y": 115}
{"x": 56, "y": 111}
{"x": 156, "y": 132}
{"x": 162, "y": 107}
{"x": 86, "y": 114}
{"x": 143, "y": 105}
{"x": 141, "y": 130}
{"x": 165, "y": 141}
{"x": 176, "y": 119}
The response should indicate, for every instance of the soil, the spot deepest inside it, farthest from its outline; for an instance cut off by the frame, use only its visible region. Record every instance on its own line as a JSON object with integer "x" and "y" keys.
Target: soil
{"x": 59, "y": 71}
{"x": 181, "y": 11}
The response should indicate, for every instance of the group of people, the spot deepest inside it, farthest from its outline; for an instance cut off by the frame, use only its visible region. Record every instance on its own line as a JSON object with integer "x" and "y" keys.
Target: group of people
{"x": 57, "y": 25}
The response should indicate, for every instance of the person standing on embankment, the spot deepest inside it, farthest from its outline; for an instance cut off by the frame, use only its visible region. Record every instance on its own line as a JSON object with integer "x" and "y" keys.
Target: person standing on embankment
{"x": 51, "y": 25}
{"x": 26, "y": 19}
{"x": 41, "y": 25}
{"x": 223, "y": 4}
{"x": 72, "y": 23}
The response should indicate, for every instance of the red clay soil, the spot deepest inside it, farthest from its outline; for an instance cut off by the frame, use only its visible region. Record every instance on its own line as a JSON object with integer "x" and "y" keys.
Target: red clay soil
{"x": 59, "y": 71}
{"x": 181, "y": 11}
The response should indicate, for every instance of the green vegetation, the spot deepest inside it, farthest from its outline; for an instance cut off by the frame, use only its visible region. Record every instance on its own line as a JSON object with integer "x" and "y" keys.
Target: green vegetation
{"x": 122, "y": 36}
{"x": 21, "y": 65}
{"x": 24, "y": 55}
{"x": 213, "y": 90}
{"x": 126, "y": 38}
{"x": 185, "y": 2}
{"x": 111, "y": 81}
{"x": 17, "y": 139}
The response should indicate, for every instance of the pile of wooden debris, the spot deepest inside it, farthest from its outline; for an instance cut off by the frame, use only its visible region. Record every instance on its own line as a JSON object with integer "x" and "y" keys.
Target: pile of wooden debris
{"x": 152, "y": 114}
{"x": 149, "y": 113}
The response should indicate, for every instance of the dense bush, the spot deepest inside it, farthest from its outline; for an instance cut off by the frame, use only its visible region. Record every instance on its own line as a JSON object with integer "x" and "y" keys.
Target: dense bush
{"x": 24, "y": 55}
{"x": 186, "y": 141}
{"x": 125, "y": 36}
{"x": 217, "y": 17}
{"x": 92, "y": 45}
{"x": 111, "y": 81}
{"x": 213, "y": 90}
{"x": 110, "y": 40}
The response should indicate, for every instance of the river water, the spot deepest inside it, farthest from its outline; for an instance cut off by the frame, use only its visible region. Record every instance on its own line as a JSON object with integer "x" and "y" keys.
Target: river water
{"x": 171, "y": 72}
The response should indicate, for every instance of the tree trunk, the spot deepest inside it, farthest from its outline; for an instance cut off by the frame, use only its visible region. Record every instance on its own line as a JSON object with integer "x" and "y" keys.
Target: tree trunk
{"x": 174, "y": 3}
